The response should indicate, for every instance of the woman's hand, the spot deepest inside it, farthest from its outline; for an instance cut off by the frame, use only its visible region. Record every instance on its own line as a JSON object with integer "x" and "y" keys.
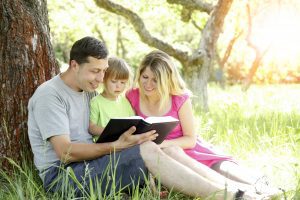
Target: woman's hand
{"x": 127, "y": 139}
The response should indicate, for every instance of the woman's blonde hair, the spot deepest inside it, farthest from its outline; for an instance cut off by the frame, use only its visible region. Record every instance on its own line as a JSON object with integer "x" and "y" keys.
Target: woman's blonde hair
{"x": 169, "y": 82}
{"x": 117, "y": 69}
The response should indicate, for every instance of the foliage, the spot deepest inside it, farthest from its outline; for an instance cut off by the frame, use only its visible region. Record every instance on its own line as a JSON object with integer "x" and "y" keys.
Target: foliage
{"x": 70, "y": 20}
{"x": 259, "y": 128}
{"x": 67, "y": 26}
{"x": 297, "y": 193}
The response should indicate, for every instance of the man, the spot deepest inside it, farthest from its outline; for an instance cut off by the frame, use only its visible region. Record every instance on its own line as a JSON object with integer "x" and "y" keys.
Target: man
{"x": 58, "y": 131}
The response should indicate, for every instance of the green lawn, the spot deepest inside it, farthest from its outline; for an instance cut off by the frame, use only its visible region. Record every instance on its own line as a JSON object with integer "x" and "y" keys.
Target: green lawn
{"x": 260, "y": 128}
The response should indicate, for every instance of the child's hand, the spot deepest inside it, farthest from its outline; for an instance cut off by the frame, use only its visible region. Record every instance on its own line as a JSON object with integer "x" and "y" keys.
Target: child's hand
{"x": 94, "y": 129}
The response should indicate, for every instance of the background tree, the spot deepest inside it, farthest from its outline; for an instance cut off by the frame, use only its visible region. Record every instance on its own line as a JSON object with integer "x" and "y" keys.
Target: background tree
{"x": 265, "y": 52}
{"x": 26, "y": 61}
{"x": 239, "y": 45}
{"x": 189, "y": 28}
{"x": 196, "y": 66}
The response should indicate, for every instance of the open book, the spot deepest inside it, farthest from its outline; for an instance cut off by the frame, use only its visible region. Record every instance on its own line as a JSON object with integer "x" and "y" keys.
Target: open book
{"x": 117, "y": 126}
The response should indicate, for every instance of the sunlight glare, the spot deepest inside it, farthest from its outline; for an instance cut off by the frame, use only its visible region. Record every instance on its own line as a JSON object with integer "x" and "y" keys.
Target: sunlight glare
{"x": 278, "y": 30}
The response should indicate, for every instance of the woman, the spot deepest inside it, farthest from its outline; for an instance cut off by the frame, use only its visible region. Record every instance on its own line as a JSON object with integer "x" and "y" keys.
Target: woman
{"x": 162, "y": 92}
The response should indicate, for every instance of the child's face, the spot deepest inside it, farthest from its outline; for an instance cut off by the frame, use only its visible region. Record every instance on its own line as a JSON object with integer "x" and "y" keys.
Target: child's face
{"x": 115, "y": 87}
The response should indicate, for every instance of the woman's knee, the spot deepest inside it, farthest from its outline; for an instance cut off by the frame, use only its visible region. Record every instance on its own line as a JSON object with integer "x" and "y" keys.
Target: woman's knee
{"x": 149, "y": 147}
{"x": 173, "y": 150}
{"x": 225, "y": 166}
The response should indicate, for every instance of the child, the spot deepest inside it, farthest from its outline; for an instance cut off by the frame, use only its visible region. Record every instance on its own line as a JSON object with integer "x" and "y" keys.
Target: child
{"x": 111, "y": 102}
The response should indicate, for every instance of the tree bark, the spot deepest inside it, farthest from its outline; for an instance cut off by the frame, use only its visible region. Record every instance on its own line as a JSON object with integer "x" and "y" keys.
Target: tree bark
{"x": 26, "y": 60}
{"x": 196, "y": 74}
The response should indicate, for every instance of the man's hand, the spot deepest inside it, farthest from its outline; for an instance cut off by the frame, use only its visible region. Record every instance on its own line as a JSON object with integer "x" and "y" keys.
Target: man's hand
{"x": 127, "y": 139}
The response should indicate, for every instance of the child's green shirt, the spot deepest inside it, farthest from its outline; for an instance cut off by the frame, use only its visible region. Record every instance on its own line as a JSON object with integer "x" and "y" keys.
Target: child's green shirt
{"x": 103, "y": 109}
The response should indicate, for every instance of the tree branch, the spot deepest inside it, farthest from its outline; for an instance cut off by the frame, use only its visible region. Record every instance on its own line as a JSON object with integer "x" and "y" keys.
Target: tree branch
{"x": 194, "y": 5}
{"x": 229, "y": 49}
{"x": 211, "y": 32}
{"x": 248, "y": 38}
{"x": 259, "y": 54}
{"x": 142, "y": 31}
{"x": 197, "y": 26}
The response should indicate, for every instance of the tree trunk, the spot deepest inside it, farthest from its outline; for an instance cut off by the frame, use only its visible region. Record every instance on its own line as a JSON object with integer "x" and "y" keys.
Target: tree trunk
{"x": 253, "y": 69}
{"x": 197, "y": 75}
{"x": 26, "y": 61}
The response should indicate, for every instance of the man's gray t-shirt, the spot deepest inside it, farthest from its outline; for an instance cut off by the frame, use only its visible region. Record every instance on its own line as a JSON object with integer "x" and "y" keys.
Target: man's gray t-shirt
{"x": 56, "y": 109}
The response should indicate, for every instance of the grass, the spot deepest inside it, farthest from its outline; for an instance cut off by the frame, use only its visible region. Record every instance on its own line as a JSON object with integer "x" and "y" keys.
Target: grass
{"x": 260, "y": 128}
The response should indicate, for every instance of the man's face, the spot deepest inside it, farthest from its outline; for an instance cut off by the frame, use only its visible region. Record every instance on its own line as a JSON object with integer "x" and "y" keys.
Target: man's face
{"x": 90, "y": 75}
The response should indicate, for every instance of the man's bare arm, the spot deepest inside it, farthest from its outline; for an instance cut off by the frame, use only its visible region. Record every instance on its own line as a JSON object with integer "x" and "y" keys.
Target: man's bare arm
{"x": 72, "y": 152}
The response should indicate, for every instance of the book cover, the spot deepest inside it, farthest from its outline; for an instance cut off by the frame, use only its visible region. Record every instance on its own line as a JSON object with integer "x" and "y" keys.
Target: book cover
{"x": 117, "y": 126}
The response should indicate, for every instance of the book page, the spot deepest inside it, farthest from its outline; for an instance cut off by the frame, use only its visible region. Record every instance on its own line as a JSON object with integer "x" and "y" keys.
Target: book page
{"x": 160, "y": 119}
{"x": 132, "y": 117}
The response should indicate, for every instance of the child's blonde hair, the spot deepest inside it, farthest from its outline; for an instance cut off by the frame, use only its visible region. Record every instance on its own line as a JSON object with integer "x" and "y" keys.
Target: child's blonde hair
{"x": 117, "y": 69}
{"x": 169, "y": 82}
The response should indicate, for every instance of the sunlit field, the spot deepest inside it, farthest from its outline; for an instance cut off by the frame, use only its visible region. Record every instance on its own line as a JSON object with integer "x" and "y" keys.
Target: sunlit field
{"x": 277, "y": 29}
{"x": 260, "y": 128}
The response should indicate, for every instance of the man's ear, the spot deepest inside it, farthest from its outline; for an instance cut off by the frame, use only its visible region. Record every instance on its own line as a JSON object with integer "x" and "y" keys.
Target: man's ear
{"x": 73, "y": 64}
